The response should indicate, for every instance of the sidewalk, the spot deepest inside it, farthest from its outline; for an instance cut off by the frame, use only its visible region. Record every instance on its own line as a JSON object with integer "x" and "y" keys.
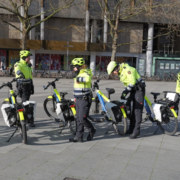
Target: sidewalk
{"x": 50, "y": 156}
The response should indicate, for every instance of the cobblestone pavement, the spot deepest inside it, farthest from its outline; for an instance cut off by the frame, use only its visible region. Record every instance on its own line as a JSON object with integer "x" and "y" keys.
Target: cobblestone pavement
{"x": 49, "y": 155}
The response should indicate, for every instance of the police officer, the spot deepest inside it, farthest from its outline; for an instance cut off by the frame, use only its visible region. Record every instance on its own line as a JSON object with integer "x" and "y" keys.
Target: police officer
{"x": 178, "y": 84}
{"x": 136, "y": 87}
{"x": 25, "y": 83}
{"x": 83, "y": 97}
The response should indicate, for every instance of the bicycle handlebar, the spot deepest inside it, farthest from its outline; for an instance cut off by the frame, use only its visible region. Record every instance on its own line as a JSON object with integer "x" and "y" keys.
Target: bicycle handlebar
{"x": 8, "y": 83}
{"x": 51, "y": 83}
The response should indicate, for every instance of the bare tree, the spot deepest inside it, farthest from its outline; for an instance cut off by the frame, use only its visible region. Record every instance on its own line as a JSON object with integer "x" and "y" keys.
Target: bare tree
{"x": 14, "y": 8}
{"x": 150, "y": 11}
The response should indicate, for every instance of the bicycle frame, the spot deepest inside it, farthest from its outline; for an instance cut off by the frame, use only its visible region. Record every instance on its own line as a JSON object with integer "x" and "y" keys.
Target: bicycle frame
{"x": 12, "y": 100}
{"x": 57, "y": 97}
{"x": 148, "y": 107}
{"x": 102, "y": 97}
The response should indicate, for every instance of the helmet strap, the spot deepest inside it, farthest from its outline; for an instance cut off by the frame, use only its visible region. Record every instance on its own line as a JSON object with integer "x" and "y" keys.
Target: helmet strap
{"x": 24, "y": 58}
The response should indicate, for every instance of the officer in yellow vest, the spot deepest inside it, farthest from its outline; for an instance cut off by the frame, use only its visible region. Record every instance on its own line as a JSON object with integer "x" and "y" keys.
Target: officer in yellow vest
{"x": 136, "y": 87}
{"x": 83, "y": 98}
{"x": 24, "y": 73}
{"x": 178, "y": 84}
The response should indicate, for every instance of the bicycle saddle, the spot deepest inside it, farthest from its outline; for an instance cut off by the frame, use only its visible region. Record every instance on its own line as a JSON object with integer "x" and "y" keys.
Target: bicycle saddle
{"x": 110, "y": 90}
{"x": 155, "y": 94}
{"x": 63, "y": 93}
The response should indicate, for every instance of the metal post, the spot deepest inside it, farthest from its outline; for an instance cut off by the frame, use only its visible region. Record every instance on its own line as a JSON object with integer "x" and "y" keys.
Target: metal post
{"x": 67, "y": 54}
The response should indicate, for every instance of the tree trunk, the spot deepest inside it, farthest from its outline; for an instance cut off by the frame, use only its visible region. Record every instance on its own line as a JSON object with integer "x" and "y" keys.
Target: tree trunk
{"x": 24, "y": 41}
{"x": 114, "y": 49}
{"x": 114, "y": 44}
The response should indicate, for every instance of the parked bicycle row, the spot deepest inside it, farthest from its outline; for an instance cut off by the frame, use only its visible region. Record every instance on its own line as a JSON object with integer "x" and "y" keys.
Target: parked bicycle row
{"x": 167, "y": 76}
{"x": 163, "y": 112}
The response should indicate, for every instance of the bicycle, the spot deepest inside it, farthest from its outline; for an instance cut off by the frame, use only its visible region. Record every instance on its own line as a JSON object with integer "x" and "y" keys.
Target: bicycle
{"x": 13, "y": 113}
{"x": 60, "y": 109}
{"x": 60, "y": 74}
{"x": 161, "y": 112}
{"x": 46, "y": 73}
{"x": 113, "y": 111}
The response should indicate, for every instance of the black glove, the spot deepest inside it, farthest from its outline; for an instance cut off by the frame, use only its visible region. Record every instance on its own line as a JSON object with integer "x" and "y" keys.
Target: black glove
{"x": 32, "y": 89}
{"x": 124, "y": 94}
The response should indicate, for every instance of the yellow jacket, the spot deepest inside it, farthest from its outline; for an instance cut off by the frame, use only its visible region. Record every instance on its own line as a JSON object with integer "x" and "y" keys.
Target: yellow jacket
{"x": 22, "y": 67}
{"x": 178, "y": 87}
{"x": 82, "y": 83}
{"x": 129, "y": 77}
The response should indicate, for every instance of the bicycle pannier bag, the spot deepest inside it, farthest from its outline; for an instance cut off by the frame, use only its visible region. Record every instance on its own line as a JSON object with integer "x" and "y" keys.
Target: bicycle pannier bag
{"x": 114, "y": 112}
{"x": 63, "y": 112}
{"x": 175, "y": 98}
{"x": 30, "y": 110}
{"x": 9, "y": 114}
{"x": 157, "y": 111}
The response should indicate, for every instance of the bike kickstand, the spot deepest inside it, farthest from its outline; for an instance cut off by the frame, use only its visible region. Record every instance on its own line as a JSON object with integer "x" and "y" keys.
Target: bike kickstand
{"x": 12, "y": 134}
{"x": 156, "y": 130}
{"x": 62, "y": 128}
{"x": 110, "y": 126}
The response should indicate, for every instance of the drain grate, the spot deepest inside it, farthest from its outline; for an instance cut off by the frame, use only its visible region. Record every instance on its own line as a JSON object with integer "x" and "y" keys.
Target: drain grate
{"x": 68, "y": 178}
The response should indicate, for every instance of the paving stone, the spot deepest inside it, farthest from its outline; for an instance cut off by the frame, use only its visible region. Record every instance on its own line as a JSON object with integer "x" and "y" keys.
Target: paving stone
{"x": 89, "y": 162}
{"x": 165, "y": 174}
{"x": 144, "y": 161}
{"x": 14, "y": 171}
{"x": 137, "y": 170}
{"x": 101, "y": 174}
{"x": 77, "y": 171}
{"x": 53, "y": 166}
{"x": 173, "y": 166}
{"x": 39, "y": 175}
{"x": 7, "y": 178}
{"x": 123, "y": 152}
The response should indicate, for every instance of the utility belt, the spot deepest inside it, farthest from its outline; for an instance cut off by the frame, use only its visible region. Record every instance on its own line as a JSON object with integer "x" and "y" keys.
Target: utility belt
{"x": 24, "y": 82}
{"x": 87, "y": 97}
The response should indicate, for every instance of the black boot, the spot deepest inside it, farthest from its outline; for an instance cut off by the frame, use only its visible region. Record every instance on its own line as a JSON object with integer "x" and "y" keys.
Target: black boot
{"x": 75, "y": 139}
{"x": 91, "y": 135}
{"x": 129, "y": 131}
{"x": 134, "y": 135}
{"x": 32, "y": 124}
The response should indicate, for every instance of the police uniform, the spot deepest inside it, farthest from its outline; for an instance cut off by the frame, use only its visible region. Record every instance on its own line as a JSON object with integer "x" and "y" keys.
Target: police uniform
{"x": 82, "y": 94}
{"x": 178, "y": 84}
{"x": 136, "y": 87}
{"x": 25, "y": 89}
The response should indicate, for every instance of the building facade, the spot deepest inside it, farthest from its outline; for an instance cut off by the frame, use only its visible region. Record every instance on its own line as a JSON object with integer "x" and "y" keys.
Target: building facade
{"x": 74, "y": 32}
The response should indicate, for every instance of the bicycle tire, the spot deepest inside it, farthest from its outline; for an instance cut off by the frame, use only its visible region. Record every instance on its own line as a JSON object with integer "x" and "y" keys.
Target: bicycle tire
{"x": 124, "y": 129}
{"x": 53, "y": 117}
{"x": 23, "y": 133}
{"x": 165, "y": 130}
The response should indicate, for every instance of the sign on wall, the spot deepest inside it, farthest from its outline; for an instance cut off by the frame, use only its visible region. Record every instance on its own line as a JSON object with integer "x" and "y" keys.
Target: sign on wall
{"x": 161, "y": 65}
{"x": 13, "y": 57}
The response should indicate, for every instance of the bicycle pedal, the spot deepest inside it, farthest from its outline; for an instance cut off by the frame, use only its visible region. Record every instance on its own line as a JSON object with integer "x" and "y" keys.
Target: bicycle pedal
{"x": 61, "y": 125}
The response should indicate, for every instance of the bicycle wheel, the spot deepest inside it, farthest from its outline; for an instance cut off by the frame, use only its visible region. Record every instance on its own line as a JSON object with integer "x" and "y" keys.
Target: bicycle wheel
{"x": 23, "y": 133}
{"x": 121, "y": 127}
{"x": 170, "y": 127}
{"x": 50, "y": 109}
